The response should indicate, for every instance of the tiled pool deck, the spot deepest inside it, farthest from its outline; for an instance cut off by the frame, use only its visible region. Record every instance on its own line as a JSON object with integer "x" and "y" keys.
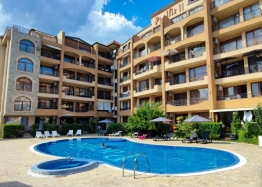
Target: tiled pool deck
{"x": 16, "y": 159}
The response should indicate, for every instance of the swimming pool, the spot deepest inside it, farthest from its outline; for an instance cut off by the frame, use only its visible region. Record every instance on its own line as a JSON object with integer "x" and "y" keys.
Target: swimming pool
{"x": 171, "y": 160}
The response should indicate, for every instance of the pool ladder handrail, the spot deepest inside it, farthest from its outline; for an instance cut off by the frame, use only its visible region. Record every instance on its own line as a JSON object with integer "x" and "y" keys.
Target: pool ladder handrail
{"x": 124, "y": 159}
{"x": 135, "y": 162}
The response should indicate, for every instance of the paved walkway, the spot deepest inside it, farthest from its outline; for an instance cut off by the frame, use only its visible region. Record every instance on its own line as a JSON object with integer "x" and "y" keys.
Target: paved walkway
{"x": 16, "y": 159}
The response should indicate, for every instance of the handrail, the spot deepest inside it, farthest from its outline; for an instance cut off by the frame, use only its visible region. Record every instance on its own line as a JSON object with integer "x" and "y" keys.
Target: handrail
{"x": 123, "y": 162}
{"x": 135, "y": 162}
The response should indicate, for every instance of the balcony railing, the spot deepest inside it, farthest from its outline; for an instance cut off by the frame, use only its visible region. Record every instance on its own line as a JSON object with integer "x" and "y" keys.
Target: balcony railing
{"x": 48, "y": 90}
{"x": 125, "y": 108}
{"x": 87, "y": 64}
{"x": 105, "y": 69}
{"x": 236, "y": 72}
{"x": 50, "y": 54}
{"x": 125, "y": 94}
{"x": 122, "y": 50}
{"x": 80, "y": 49}
{"x": 196, "y": 53}
{"x": 124, "y": 64}
{"x": 189, "y": 78}
{"x": 146, "y": 87}
{"x": 124, "y": 79}
{"x": 146, "y": 68}
{"x": 80, "y": 78}
{"x": 185, "y": 102}
{"x": 79, "y": 94}
{"x": 154, "y": 48}
{"x": 218, "y": 3}
{"x": 173, "y": 40}
{"x": 42, "y": 105}
{"x": 52, "y": 73}
{"x": 235, "y": 96}
{"x": 139, "y": 54}
{"x": 228, "y": 22}
{"x": 79, "y": 110}
{"x": 105, "y": 83}
{"x": 106, "y": 97}
{"x": 178, "y": 58}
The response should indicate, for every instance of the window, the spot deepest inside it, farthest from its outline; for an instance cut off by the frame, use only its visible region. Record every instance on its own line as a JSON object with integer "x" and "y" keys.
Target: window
{"x": 195, "y": 10}
{"x": 198, "y": 95}
{"x": 156, "y": 29}
{"x": 197, "y": 73}
{"x": 179, "y": 78}
{"x": 231, "y": 45}
{"x": 22, "y": 104}
{"x": 229, "y": 21}
{"x": 179, "y": 18}
{"x": 27, "y": 46}
{"x": 256, "y": 89}
{"x": 254, "y": 37}
{"x": 46, "y": 70}
{"x": 252, "y": 11}
{"x": 69, "y": 59}
{"x": 24, "y": 84}
{"x": 195, "y": 29}
{"x": 25, "y": 64}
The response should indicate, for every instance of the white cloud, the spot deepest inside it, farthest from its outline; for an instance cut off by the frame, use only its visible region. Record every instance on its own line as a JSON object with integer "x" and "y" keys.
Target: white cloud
{"x": 4, "y": 19}
{"x": 104, "y": 27}
{"x": 124, "y": 3}
{"x": 131, "y": 1}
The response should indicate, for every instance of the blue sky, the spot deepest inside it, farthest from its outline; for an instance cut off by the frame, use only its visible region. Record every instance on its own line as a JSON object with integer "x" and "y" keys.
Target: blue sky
{"x": 91, "y": 20}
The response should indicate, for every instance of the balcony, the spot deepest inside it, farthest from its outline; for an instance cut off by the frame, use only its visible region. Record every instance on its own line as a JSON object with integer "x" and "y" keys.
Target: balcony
{"x": 78, "y": 96}
{"x": 229, "y": 22}
{"x": 248, "y": 100}
{"x": 125, "y": 96}
{"x": 78, "y": 49}
{"x": 148, "y": 71}
{"x": 153, "y": 48}
{"x": 188, "y": 105}
{"x": 105, "y": 97}
{"x": 151, "y": 89}
{"x": 78, "y": 80}
{"x": 186, "y": 82}
{"x": 197, "y": 30}
{"x": 48, "y": 92}
{"x": 105, "y": 69}
{"x": 125, "y": 111}
{"x": 46, "y": 75}
{"x": 83, "y": 111}
{"x": 104, "y": 84}
{"x": 173, "y": 40}
{"x": 125, "y": 65}
{"x": 125, "y": 80}
{"x": 46, "y": 106}
{"x": 50, "y": 54}
{"x": 218, "y": 3}
{"x": 181, "y": 62}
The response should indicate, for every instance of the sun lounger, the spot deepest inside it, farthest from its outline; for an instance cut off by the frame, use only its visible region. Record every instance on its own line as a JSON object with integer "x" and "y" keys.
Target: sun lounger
{"x": 78, "y": 132}
{"x": 39, "y": 134}
{"x": 119, "y": 133}
{"x": 55, "y": 134}
{"x": 70, "y": 133}
{"x": 192, "y": 137}
{"x": 47, "y": 134}
{"x": 205, "y": 138}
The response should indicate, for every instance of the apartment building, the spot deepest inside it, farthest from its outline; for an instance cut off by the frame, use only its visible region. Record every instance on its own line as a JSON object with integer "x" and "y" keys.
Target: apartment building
{"x": 196, "y": 57}
{"x": 55, "y": 78}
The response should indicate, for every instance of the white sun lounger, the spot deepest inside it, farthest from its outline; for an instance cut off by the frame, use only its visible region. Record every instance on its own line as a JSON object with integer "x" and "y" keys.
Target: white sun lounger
{"x": 79, "y": 132}
{"x": 55, "y": 134}
{"x": 39, "y": 134}
{"x": 70, "y": 133}
{"x": 47, "y": 134}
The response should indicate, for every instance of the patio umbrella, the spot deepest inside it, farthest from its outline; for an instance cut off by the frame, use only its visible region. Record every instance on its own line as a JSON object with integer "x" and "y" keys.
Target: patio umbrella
{"x": 197, "y": 118}
{"x": 169, "y": 52}
{"x": 105, "y": 121}
{"x": 161, "y": 119}
{"x": 40, "y": 127}
{"x": 153, "y": 59}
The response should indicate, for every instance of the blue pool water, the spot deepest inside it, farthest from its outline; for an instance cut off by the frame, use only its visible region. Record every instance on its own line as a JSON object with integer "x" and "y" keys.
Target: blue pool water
{"x": 162, "y": 159}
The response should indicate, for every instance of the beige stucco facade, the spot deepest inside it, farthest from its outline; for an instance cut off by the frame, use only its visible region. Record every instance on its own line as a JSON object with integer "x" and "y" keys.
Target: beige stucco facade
{"x": 214, "y": 65}
{"x": 54, "y": 78}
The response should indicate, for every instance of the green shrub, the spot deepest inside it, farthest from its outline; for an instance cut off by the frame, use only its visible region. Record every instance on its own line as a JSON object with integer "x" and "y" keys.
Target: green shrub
{"x": 252, "y": 129}
{"x": 12, "y": 130}
{"x": 114, "y": 127}
{"x": 46, "y": 127}
{"x": 66, "y": 127}
{"x": 33, "y": 129}
{"x": 91, "y": 127}
{"x": 242, "y": 135}
{"x": 235, "y": 126}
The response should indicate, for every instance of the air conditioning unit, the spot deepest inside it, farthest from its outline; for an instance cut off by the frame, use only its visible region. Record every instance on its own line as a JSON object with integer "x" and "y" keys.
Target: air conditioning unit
{"x": 214, "y": 18}
{"x": 216, "y": 42}
{"x": 56, "y": 67}
{"x": 169, "y": 74}
{"x": 219, "y": 88}
{"x": 170, "y": 94}
{"x": 55, "y": 83}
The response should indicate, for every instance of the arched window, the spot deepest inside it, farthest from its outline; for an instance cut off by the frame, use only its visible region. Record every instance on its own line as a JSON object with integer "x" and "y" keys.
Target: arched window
{"x": 24, "y": 84}
{"x": 27, "y": 46}
{"x": 22, "y": 104}
{"x": 24, "y": 64}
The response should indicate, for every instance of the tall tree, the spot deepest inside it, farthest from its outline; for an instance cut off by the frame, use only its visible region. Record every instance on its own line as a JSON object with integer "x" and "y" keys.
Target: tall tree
{"x": 142, "y": 116}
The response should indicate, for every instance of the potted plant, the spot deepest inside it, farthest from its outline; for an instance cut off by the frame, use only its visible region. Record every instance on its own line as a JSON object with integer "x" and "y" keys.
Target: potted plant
{"x": 258, "y": 119}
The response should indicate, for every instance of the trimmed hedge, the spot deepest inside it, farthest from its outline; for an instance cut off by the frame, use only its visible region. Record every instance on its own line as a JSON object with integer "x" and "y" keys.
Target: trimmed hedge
{"x": 46, "y": 127}
{"x": 235, "y": 127}
{"x": 12, "y": 130}
{"x": 66, "y": 127}
{"x": 185, "y": 129}
{"x": 252, "y": 129}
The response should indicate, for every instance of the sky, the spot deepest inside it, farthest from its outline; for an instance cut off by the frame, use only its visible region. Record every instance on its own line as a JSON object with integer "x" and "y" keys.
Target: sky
{"x": 91, "y": 20}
